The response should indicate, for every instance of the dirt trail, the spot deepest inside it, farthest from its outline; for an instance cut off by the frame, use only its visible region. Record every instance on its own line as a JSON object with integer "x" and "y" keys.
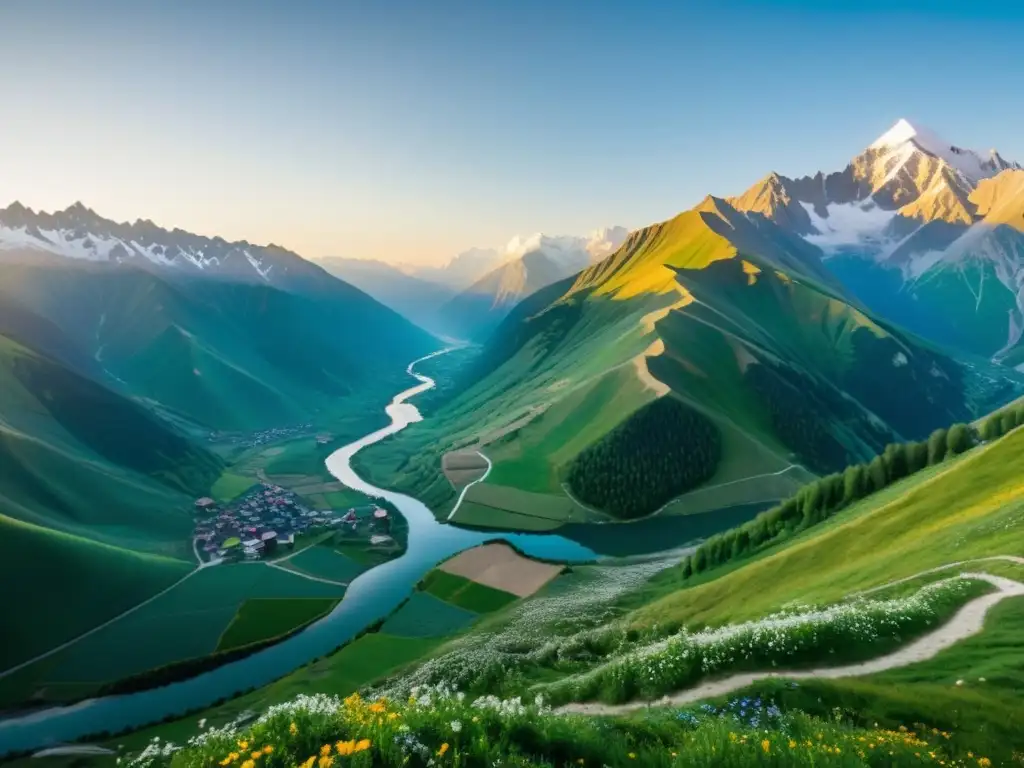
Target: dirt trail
{"x": 966, "y": 622}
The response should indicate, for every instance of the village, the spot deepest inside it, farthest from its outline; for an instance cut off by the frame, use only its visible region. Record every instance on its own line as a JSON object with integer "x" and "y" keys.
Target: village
{"x": 268, "y": 518}
{"x": 266, "y": 436}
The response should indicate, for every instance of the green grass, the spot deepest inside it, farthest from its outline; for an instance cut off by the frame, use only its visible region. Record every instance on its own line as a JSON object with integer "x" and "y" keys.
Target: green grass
{"x": 427, "y": 616}
{"x": 265, "y": 618}
{"x": 185, "y": 623}
{"x": 536, "y": 458}
{"x": 364, "y": 661}
{"x": 528, "y": 738}
{"x": 986, "y": 718}
{"x": 83, "y": 582}
{"x": 229, "y": 485}
{"x": 884, "y": 537}
{"x": 302, "y": 456}
{"x": 464, "y": 593}
{"x": 476, "y": 515}
{"x": 841, "y": 639}
{"x": 323, "y": 561}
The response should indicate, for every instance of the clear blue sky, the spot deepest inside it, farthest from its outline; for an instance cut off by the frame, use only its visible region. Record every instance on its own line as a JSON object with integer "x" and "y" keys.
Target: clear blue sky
{"x": 413, "y": 130}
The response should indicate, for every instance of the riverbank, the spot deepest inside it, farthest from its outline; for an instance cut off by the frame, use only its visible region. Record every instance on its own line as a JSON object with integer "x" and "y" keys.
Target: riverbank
{"x": 369, "y": 598}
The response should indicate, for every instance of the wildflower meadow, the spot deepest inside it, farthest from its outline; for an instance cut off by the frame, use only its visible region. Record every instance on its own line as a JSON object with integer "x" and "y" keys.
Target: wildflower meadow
{"x": 849, "y": 631}
{"x": 442, "y": 727}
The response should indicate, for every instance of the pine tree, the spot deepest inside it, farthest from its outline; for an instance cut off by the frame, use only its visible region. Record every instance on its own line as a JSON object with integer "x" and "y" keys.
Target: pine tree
{"x": 958, "y": 439}
{"x": 937, "y": 447}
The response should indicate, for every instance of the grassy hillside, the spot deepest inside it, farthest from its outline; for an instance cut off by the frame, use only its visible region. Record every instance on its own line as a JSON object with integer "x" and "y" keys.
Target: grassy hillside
{"x": 877, "y": 540}
{"x": 222, "y": 354}
{"x": 83, "y": 582}
{"x": 729, "y": 314}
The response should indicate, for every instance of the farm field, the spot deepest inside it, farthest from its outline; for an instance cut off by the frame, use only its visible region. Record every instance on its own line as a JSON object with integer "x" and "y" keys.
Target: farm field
{"x": 260, "y": 619}
{"x": 489, "y": 505}
{"x": 425, "y": 615}
{"x": 324, "y": 562}
{"x": 502, "y": 569}
{"x": 463, "y": 467}
{"x": 462, "y": 592}
{"x": 187, "y": 622}
{"x": 231, "y": 484}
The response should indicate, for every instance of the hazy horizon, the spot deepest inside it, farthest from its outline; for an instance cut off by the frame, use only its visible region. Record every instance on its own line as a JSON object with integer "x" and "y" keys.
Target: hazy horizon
{"x": 411, "y": 134}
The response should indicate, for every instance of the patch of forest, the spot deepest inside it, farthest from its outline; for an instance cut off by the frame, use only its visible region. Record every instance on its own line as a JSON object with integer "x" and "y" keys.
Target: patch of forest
{"x": 663, "y": 450}
{"x": 800, "y": 412}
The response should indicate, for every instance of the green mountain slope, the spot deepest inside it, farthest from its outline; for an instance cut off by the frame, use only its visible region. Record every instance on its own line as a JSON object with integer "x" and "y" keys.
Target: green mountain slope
{"x": 225, "y": 355}
{"x": 96, "y": 498}
{"x": 729, "y": 313}
{"x": 413, "y": 297}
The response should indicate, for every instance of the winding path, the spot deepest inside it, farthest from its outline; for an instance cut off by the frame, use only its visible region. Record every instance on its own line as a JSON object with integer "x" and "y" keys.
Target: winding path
{"x": 967, "y": 621}
{"x": 458, "y": 502}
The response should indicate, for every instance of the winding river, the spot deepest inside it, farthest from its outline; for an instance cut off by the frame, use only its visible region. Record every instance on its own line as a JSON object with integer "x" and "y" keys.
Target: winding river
{"x": 370, "y": 597}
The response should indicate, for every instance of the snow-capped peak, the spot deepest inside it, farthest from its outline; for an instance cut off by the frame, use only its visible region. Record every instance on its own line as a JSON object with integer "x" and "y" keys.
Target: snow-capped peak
{"x": 973, "y": 165}
{"x": 79, "y": 233}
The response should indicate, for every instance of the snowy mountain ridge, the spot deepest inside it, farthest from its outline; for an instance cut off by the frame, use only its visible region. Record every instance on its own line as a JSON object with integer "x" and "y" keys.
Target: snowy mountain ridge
{"x": 79, "y": 233}
{"x": 922, "y": 230}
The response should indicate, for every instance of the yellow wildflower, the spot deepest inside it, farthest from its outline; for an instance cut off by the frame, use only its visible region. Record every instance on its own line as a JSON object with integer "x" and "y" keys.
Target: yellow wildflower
{"x": 392, "y": 715}
{"x": 308, "y": 762}
{"x": 766, "y": 746}
{"x": 325, "y": 762}
{"x": 243, "y": 744}
{"x": 984, "y": 762}
{"x": 325, "y": 750}
{"x": 362, "y": 745}
{"x": 792, "y": 744}
{"x": 257, "y": 754}
{"x": 378, "y": 706}
{"x": 267, "y": 749}
{"x": 632, "y": 755}
{"x": 249, "y": 764}
{"x": 293, "y": 729}
{"x": 443, "y": 749}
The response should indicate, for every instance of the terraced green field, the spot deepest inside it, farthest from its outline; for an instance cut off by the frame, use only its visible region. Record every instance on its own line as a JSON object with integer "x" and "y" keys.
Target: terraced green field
{"x": 267, "y": 618}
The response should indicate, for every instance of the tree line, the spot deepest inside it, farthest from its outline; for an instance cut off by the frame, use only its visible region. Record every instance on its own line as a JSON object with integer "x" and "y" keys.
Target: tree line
{"x": 819, "y": 500}
{"x": 663, "y": 450}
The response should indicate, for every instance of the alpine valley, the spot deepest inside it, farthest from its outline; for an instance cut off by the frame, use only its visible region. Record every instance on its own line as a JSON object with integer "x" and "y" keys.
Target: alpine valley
{"x": 264, "y": 512}
{"x": 802, "y": 325}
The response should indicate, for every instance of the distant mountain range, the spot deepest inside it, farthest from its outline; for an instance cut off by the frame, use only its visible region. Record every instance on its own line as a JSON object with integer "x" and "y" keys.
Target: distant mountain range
{"x": 416, "y": 298}
{"x": 929, "y": 234}
{"x": 471, "y": 294}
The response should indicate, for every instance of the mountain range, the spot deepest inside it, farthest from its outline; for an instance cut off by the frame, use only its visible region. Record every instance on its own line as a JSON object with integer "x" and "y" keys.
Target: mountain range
{"x": 124, "y": 348}
{"x": 747, "y": 311}
{"x": 472, "y": 293}
{"x": 925, "y": 232}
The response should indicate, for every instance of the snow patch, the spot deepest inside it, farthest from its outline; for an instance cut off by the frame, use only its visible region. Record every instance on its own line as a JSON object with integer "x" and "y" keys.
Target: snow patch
{"x": 974, "y": 165}
{"x": 848, "y": 224}
{"x": 256, "y": 264}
